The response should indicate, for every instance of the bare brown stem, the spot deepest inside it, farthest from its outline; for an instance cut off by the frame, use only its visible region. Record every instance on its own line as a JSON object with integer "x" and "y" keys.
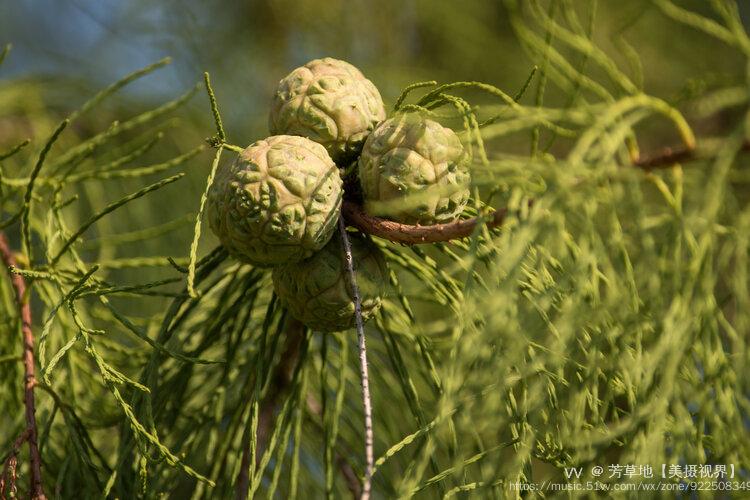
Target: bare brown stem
{"x": 413, "y": 234}
{"x": 668, "y": 156}
{"x": 24, "y": 309}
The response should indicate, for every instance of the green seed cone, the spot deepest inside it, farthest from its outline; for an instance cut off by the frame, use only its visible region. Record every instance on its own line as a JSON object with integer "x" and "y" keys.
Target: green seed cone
{"x": 413, "y": 170}
{"x": 277, "y": 203}
{"x": 330, "y": 102}
{"x": 316, "y": 291}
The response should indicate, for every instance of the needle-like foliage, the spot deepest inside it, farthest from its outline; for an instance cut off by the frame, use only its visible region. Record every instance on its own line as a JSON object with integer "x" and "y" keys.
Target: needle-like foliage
{"x": 604, "y": 322}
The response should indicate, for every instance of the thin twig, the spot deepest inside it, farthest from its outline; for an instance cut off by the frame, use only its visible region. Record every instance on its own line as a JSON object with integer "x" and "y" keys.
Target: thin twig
{"x": 664, "y": 158}
{"x": 668, "y": 156}
{"x": 22, "y": 301}
{"x": 369, "y": 455}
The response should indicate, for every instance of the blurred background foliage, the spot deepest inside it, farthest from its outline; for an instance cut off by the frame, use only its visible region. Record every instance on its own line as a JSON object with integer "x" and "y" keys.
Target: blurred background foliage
{"x": 64, "y": 52}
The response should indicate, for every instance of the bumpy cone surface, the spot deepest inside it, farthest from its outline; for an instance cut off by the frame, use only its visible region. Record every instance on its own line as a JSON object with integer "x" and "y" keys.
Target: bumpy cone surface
{"x": 413, "y": 170}
{"x": 277, "y": 203}
{"x": 316, "y": 291}
{"x": 330, "y": 102}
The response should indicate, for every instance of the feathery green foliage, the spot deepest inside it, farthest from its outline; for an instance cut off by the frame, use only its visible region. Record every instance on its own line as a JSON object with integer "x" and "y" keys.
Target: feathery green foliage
{"x": 605, "y": 322}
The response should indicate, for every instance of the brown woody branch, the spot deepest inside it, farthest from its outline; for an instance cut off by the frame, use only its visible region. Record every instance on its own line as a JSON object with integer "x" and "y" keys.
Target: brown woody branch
{"x": 665, "y": 158}
{"x": 668, "y": 156}
{"x": 24, "y": 309}
{"x": 408, "y": 234}
{"x": 414, "y": 234}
